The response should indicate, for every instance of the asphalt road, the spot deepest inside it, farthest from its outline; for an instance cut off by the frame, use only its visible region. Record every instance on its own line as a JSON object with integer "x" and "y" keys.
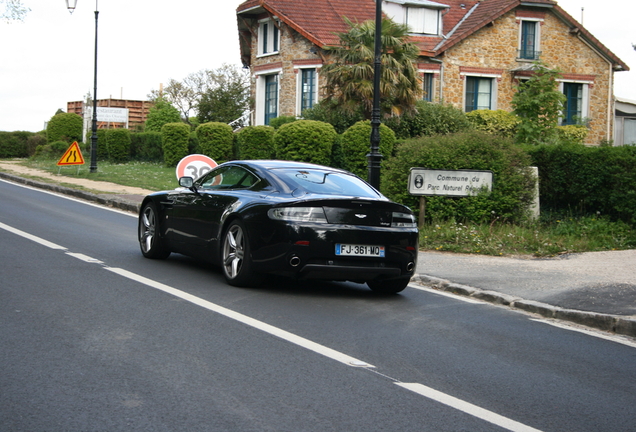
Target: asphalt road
{"x": 95, "y": 337}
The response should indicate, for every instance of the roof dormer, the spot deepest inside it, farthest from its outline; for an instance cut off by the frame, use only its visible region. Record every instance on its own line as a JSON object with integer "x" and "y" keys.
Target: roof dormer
{"x": 424, "y": 17}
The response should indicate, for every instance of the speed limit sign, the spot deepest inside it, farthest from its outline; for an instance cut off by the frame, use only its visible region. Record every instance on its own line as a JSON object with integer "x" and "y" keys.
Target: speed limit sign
{"x": 194, "y": 165}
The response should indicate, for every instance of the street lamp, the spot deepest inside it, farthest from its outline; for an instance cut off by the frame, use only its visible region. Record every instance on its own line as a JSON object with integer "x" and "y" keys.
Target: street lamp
{"x": 70, "y": 5}
{"x": 374, "y": 157}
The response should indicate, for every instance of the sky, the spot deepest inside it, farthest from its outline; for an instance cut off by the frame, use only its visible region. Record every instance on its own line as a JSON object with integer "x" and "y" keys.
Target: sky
{"x": 48, "y": 60}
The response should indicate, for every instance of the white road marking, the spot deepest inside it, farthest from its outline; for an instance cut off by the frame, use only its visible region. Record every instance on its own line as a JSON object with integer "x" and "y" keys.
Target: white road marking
{"x": 290, "y": 337}
{"x": 446, "y": 294}
{"x": 420, "y": 389}
{"x": 468, "y": 408}
{"x": 31, "y": 237}
{"x": 60, "y": 195}
{"x": 597, "y": 333}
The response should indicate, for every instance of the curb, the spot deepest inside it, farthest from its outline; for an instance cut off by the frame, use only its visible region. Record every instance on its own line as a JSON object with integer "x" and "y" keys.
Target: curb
{"x": 105, "y": 199}
{"x": 617, "y": 324}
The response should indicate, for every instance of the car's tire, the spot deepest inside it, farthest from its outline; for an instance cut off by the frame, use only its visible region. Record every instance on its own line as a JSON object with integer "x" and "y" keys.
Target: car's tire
{"x": 236, "y": 259}
{"x": 388, "y": 286}
{"x": 150, "y": 241}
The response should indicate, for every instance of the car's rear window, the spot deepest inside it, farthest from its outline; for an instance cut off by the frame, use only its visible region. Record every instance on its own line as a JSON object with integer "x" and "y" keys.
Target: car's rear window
{"x": 329, "y": 183}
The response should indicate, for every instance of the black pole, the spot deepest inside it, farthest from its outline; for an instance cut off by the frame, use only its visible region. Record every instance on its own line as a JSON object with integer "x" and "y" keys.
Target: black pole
{"x": 374, "y": 157}
{"x": 93, "y": 167}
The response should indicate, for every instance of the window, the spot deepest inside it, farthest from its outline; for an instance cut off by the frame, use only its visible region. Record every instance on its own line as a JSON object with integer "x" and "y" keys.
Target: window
{"x": 307, "y": 88}
{"x": 528, "y": 48}
{"x": 428, "y": 87}
{"x": 573, "y": 109}
{"x": 479, "y": 93}
{"x": 268, "y": 37}
{"x": 271, "y": 98}
{"x": 231, "y": 177}
{"x": 422, "y": 20}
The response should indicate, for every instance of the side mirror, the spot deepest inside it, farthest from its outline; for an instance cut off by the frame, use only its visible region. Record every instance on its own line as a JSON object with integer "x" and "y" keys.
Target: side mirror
{"x": 186, "y": 182}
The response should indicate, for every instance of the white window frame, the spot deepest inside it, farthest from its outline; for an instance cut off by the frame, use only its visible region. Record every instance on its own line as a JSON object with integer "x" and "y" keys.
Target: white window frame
{"x": 585, "y": 102}
{"x": 273, "y": 37}
{"x": 494, "y": 88}
{"x": 537, "y": 36}
{"x": 299, "y": 85}
{"x": 259, "y": 103}
{"x": 430, "y": 22}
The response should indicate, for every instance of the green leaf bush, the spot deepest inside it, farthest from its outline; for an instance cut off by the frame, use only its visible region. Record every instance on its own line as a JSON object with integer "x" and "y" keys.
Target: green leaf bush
{"x": 513, "y": 183}
{"x": 355, "y": 144}
{"x": 216, "y": 140}
{"x": 255, "y": 142}
{"x": 580, "y": 180}
{"x": 429, "y": 119}
{"x": 175, "y": 138}
{"x": 146, "y": 146}
{"x": 305, "y": 141}
{"x": 15, "y": 144}
{"x": 64, "y": 127}
{"x": 118, "y": 145}
{"x": 497, "y": 122}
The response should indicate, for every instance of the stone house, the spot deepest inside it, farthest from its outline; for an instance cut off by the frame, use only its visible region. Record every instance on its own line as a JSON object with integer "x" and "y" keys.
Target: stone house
{"x": 472, "y": 53}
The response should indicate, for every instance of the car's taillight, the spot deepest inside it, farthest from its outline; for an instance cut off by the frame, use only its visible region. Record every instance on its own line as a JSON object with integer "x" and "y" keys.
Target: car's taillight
{"x": 298, "y": 214}
{"x": 403, "y": 220}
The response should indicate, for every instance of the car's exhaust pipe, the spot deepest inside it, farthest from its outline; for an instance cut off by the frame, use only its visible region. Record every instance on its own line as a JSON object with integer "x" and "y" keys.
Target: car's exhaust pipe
{"x": 294, "y": 261}
{"x": 410, "y": 266}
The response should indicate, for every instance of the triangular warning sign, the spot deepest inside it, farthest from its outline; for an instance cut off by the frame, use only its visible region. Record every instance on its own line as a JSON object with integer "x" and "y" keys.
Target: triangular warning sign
{"x": 72, "y": 156}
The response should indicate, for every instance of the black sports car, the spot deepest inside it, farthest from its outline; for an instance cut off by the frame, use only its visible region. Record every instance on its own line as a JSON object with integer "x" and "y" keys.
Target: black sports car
{"x": 287, "y": 218}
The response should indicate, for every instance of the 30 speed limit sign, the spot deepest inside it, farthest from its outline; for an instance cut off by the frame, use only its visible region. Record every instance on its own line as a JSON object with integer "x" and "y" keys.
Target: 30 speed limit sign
{"x": 194, "y": 165}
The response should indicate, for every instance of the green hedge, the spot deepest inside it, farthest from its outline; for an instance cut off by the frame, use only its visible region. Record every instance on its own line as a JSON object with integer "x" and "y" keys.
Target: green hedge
{"x": 216, "y": 140}
{"x": 118, "y": 145}
{"x": 429, "y": 119}
{"x": 498, "y": 122}
{"x": 583, "y": 180}
{"x": 146, "y": 146}
{"x": 175, "y": 138}
{"x": 355, "y": 144}
{"x": 255, "y": 142}
{"x": 15, "y": 144}
{"x": 306, "y": 141}
{"x": 513, "y": 184}
{"x": 64, "y": 127}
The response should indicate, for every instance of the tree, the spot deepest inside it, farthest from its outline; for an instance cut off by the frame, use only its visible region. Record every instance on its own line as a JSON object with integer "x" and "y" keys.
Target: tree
{"x": 538, "y": 103}
{"x": 222, "y": 93}
{"x": 349, "y": 75}
{"x": 14, "y": 10}
{"x": 160, "y": 114}
{"x": 228, "y": 99}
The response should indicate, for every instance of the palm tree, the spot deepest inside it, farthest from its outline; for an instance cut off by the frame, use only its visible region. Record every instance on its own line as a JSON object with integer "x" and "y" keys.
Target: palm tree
{"x": 349, "y": 74}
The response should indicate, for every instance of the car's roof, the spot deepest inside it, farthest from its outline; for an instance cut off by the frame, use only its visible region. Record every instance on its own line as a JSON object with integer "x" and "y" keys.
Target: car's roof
{"x": 281, "y": 164}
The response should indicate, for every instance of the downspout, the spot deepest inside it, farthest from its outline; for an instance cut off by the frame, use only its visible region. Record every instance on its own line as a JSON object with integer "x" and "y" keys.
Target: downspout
{"x": 441, "y": 77}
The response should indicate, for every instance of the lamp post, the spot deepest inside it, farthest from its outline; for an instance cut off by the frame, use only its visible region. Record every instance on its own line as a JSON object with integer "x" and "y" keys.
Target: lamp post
{"x": 70, "y": 5}
{"x": 374, "y": 157}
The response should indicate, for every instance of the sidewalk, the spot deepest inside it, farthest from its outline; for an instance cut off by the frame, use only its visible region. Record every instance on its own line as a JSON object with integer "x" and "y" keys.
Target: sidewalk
{"x": 594, "y": 289}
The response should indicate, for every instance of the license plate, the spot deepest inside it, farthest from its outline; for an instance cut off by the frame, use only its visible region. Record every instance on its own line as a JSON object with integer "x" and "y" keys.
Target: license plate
{"x": 359, "y": 250}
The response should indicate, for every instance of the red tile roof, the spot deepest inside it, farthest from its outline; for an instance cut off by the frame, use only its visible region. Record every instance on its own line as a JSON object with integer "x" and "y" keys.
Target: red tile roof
{"x": 320, "y": 20}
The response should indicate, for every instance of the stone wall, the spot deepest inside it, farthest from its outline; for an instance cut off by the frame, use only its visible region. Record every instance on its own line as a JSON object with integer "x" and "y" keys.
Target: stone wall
{"x": 493, "y": 50}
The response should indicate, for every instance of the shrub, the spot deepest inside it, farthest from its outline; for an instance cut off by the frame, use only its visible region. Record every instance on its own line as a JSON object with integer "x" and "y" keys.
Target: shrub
{"x": 305, "y": 141}
{"x": 216, "y": 140}
{"x": 583, "y": 180}
{"x": 118, "y": 144}
{"x": 146, "y": 146}
{"x": 429, "y": 119}
{"x": 572, "y": 134}
{"x": 355, "y": 145}
{"x": 175, "y": 137}
{"x": 255, "y": 142}
{"x": 281, "y": 120}
{"x": 160, "y": 114}
{"x": 14, "y": 144}
{"x": 513, "y": 184}
{"x": 498, "y": 122}
{"x": 328, "y": 112}
{"x": 64, "y": 127}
